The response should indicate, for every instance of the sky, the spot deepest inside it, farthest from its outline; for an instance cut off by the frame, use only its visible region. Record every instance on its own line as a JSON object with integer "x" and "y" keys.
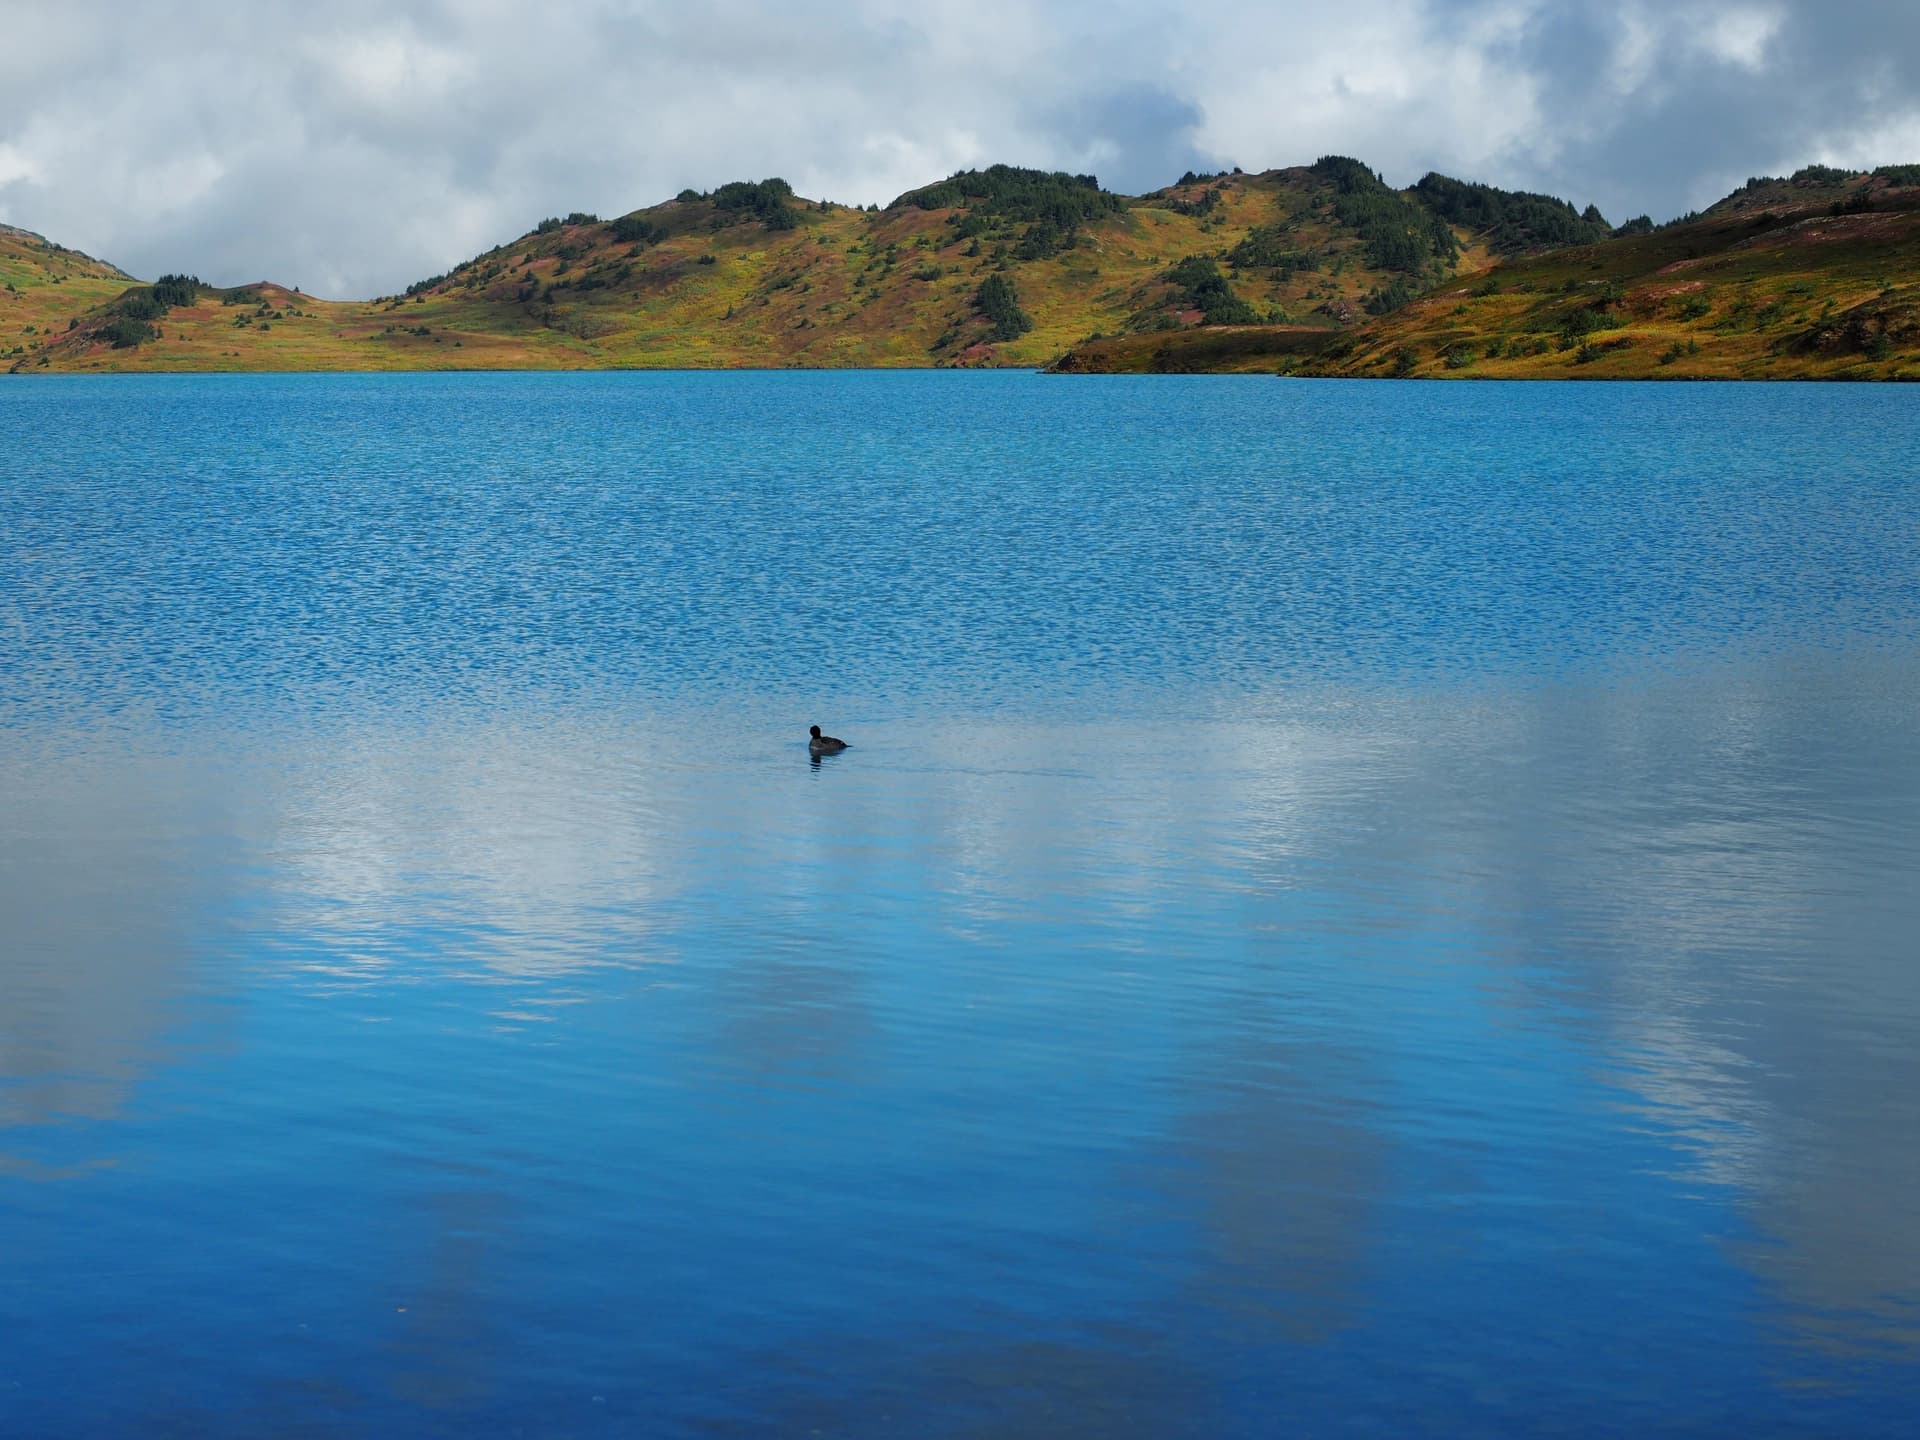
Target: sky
{"x": 352, "y": 146}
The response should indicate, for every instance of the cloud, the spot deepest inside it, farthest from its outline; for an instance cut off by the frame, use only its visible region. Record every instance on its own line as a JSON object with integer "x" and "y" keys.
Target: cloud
{"x": 15, "y": 166}
{"x": 353, "y": 147}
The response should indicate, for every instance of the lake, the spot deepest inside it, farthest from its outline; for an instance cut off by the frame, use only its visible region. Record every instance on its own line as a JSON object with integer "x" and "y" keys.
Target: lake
{"x": 1353, "y": 908}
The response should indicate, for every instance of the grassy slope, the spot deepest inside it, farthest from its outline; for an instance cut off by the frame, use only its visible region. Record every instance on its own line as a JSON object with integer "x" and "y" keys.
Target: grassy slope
{"x": 1766, "y": 285}
{"x": 43, "y": 286}
{"x": 844, "y": 288}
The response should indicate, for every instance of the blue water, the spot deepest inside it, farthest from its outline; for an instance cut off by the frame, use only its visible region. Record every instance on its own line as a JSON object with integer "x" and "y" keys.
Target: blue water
{"x": 1352, "y": 909}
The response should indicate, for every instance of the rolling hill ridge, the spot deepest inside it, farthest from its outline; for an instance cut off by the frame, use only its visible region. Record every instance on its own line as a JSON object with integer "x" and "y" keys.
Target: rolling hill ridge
{"x": 1321, "y": 269}
{"x": 1816, "y": 276}
{"x": 46, "y": 288}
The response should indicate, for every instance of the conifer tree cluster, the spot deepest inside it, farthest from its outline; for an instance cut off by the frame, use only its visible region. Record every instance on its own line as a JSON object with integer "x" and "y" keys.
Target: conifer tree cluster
{"x": 999, "y": 302}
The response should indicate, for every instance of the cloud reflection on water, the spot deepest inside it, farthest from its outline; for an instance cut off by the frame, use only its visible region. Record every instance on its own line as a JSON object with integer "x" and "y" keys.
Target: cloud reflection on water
{"x": 1262, "y": 996}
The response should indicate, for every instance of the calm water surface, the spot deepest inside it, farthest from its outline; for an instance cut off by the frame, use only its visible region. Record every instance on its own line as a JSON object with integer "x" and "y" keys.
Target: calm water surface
{"x": 1353, "y": 909}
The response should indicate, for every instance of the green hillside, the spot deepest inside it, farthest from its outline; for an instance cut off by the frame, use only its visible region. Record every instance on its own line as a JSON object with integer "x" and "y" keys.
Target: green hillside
{"x": 44, "y": 288}
{"x": 994, "y": 267}
{"x": 1811, "y": 276}
{"x": 1319, "y": 269}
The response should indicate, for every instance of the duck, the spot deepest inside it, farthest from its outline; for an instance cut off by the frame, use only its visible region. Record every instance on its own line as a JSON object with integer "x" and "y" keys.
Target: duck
{"x": 823, "y": 744}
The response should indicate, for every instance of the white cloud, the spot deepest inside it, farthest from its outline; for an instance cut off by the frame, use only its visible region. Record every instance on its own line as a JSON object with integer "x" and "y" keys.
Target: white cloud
{"x": 389, "y": 70}
{"x": 1375, "y": 81}
{"x": 1740, "y": 36}
{"x": 359, "y": 145}
{"x": 16, "y": 164}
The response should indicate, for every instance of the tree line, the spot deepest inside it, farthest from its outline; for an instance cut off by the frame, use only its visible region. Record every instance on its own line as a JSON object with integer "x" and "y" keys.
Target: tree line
{"x": 1512, "y": 222}
{"x": 1052, "y": 204}
{"x": 130, "y": 320}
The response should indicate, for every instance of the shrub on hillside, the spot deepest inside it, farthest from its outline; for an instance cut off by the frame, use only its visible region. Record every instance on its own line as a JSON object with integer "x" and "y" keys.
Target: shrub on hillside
{"x": 1043, "y": 241}
{"x": 124, "y": 331}
{"x": 1512, "y": 221}
{"x": 999, "y": 302}
{"x": 1581, "y": 323}
{"x": 637, "y": 230}
{"x": 1593, "y": 350}
{"x": 1204, "y": 288}
{"x": 765, "y": 200}
{"x": 131, "y": 320}
{"x": 1396, "y": 233}
{"x": 1053, "y": 204}
{"x": 1019, "y": 194}
{"x": 1208, "y": 202}
{"x": 170, "y": 290}
{"x": 1391, "y": 296}
{"x": 1265, "y": 247}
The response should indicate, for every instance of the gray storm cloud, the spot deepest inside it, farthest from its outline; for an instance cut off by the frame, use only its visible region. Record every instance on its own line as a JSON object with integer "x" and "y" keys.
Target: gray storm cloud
{"x": 354, "y": 146}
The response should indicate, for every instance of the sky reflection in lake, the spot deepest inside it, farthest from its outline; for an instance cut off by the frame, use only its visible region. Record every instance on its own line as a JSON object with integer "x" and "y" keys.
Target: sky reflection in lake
{"x": 1381, "y": 1048}
{"x": 1381, "y": 1059}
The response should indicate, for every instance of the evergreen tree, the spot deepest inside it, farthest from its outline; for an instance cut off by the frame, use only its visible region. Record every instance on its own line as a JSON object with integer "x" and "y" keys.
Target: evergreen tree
{"x": 1511, "y": 221}
{"x": 764, "y": 200}
{"x": 1204, "y": 288}
{"x": 999, "y": 302}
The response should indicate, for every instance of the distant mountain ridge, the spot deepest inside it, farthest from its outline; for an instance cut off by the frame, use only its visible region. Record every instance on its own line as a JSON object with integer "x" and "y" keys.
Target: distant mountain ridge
{"x": 999, "y": 266}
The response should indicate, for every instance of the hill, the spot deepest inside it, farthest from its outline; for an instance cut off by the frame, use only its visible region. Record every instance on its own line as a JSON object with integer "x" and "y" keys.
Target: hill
{"x": 1320, "y": 269}
{"x": 44, "y": 288}
{"x": 995, "y": 267}
{"x": 1815, "y": 276}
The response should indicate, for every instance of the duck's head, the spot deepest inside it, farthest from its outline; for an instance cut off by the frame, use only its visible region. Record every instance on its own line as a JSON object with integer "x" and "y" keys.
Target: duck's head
{"x": 814, "y": 730}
